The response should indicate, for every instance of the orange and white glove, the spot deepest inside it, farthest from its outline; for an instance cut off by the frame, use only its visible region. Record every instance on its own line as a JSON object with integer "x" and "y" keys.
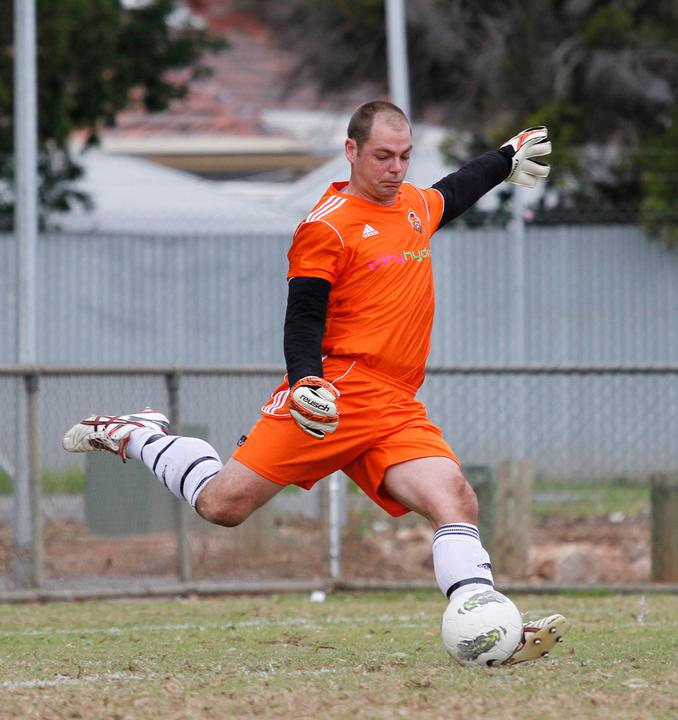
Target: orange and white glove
{"x": 313, "y": 406}
{"x": 527, "y": 144}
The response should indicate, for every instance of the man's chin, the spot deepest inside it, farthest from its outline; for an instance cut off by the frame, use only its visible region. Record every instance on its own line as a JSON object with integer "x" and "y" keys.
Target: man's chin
{"x": 388, "y": 192}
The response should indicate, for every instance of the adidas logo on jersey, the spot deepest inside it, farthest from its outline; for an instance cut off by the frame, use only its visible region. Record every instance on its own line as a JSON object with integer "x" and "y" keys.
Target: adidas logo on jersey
{"x": 369, "y": 231}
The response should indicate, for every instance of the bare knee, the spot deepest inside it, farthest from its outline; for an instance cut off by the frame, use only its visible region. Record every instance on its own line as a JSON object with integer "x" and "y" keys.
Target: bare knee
{"x": 223, "y": 508}
{"x": 232, "y": 495}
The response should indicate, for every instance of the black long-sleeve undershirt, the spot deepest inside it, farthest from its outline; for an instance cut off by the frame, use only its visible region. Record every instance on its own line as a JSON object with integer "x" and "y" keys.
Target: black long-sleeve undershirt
{"x": 466, "y": 186}
{"x": 308, "y": 297}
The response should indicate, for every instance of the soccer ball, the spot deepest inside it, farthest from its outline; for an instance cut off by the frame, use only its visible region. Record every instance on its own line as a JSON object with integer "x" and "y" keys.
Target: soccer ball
{"x": 482, "y": 627}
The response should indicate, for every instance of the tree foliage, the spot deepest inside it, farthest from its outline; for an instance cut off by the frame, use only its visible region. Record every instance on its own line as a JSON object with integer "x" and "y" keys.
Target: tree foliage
{"x": 90, "y": 57}
{"x": 601, "y": 74}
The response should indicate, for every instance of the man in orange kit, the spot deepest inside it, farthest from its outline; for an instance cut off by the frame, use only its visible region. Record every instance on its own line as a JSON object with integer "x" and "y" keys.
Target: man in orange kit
{"x": 357, "y": 335}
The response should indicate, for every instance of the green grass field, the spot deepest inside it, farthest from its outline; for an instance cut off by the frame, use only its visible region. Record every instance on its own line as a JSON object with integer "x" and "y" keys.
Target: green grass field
{"x": 583, "y": 500}
{"x": 353, "y": 656}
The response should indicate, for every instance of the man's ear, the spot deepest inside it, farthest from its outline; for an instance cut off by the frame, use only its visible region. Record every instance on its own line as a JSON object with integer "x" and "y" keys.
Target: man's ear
{"x": 351, "y": 149}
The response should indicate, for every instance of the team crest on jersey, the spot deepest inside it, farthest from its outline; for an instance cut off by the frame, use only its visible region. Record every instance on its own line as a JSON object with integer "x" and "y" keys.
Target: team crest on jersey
{"x": 415, "y": 222}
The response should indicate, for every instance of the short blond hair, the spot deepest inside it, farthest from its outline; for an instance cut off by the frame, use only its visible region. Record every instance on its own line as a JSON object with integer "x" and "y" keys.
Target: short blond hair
{"x": 360, "y": 124}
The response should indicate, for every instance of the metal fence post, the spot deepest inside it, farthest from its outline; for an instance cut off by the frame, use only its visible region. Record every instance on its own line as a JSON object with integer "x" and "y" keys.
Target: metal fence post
{"x": 396, "y": 46}
{"x": 181, "y": 511}
{"x": 35, "y": 475}
{"x": 29, "y": 551}
{"x": 334, "y": 535}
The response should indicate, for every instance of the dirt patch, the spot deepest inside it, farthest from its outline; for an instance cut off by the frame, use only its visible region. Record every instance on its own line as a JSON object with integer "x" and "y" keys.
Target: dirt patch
{"x": 598, "y": 549}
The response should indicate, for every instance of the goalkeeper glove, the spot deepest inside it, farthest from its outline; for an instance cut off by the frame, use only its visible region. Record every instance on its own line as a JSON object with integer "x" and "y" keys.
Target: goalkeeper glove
{"x": 527, "y": 144}
{"x": 313, "y": 406}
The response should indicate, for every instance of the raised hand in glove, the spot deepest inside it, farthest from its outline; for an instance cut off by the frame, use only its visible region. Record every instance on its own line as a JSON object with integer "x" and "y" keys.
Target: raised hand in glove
{"x": 528, "y": 144}
{"x": 313, "y": 406}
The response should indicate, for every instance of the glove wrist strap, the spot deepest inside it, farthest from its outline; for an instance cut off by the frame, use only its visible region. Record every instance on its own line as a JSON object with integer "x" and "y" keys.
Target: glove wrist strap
{"x": 314, "y": 381}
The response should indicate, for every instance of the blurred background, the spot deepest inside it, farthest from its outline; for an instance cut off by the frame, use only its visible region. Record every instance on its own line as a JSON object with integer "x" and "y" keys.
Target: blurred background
{"x": 178, "y": 144}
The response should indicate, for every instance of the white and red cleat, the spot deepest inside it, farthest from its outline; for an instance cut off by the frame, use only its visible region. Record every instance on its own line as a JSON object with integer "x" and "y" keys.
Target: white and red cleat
{"x": 111, "y": 433}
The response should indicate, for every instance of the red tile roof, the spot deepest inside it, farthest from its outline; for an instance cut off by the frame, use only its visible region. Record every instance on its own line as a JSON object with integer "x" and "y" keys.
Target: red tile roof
{"x": 249, "y": 76}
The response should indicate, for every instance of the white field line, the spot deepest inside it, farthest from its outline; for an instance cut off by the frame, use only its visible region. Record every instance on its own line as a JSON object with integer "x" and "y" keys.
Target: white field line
{"x": 416, "y": 620}
{"x": 290, "y": 673}
{"x": 61, "y": 680}
{"x": 65, "y": 680}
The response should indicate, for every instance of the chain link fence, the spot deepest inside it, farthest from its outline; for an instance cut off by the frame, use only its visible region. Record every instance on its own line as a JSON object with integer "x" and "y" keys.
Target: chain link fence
{"x": 554, "y": 346}
{"x": 101, "y": 524}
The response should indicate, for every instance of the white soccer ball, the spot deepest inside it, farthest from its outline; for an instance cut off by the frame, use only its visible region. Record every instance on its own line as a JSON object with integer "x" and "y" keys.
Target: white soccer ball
{"x": 482, "y": 627}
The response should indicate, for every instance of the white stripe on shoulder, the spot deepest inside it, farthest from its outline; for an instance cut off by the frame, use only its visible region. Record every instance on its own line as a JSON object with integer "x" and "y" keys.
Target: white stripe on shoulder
{"x": 423, "y": 197}
{"x": 330, "y": 205}
{"x": 330, "y": 200}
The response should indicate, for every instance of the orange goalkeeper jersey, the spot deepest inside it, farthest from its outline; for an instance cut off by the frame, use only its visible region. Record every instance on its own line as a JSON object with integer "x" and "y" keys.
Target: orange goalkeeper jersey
{"x": 377, "y": 259}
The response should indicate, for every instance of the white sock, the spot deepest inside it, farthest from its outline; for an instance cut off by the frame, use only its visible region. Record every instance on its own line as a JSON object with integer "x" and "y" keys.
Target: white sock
{"x": 183, "y": 464}
{"x": 460, "y": 562}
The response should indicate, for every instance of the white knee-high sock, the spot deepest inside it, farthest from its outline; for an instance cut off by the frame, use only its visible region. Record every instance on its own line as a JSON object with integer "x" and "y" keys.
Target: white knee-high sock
{"x": 183, "y": 464}
{"x": 460, "y": 562}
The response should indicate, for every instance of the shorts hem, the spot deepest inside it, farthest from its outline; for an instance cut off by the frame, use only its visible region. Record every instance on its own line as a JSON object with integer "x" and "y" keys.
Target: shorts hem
{"x": 261, "y": 471}
{"x": 450, "y": 456}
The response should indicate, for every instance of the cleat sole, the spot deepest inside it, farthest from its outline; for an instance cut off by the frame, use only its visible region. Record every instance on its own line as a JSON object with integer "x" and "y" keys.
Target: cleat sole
{"x": 539, "y": 641}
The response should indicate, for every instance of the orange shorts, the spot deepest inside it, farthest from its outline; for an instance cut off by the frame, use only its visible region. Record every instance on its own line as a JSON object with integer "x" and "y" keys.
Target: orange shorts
{"x": 380, "y": 424}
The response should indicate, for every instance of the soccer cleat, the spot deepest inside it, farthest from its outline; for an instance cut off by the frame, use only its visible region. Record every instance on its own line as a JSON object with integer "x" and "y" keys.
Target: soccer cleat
{"x": 111, "y": 433}
{"x": 539, "y": 638}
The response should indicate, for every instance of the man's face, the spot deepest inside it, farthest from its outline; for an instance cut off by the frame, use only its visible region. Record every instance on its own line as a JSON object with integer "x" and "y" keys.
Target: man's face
{"x": 379, "y": 167}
